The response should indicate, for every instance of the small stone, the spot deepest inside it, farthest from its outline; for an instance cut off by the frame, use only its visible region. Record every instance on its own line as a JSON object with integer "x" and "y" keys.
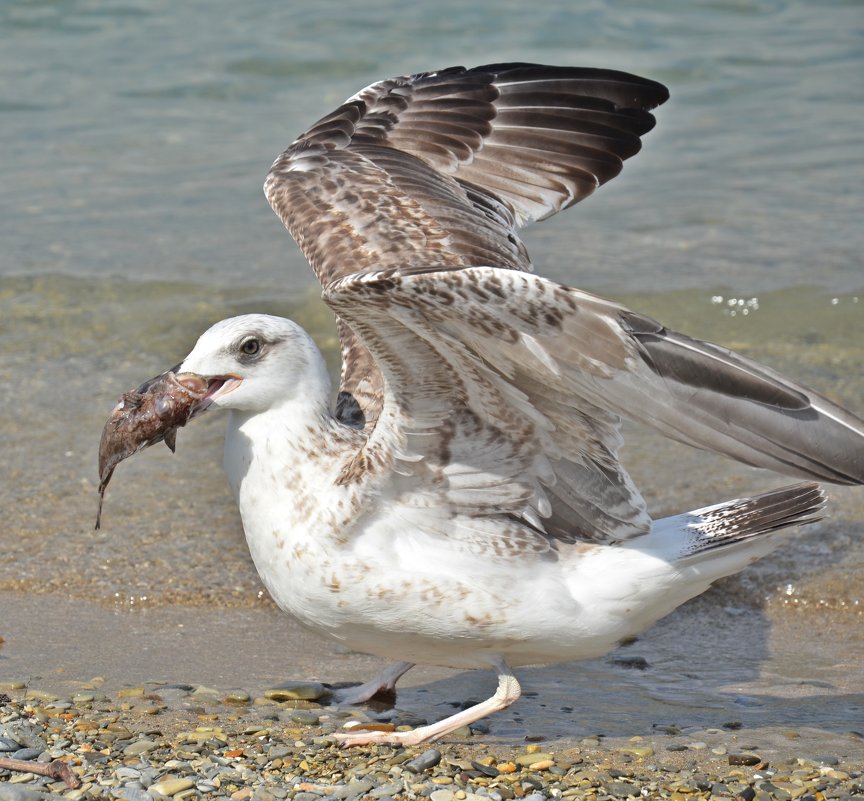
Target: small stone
{"x": 26, "y": 753}
{"x": 171, "y": 786}
{"x": 638, "y": 750}
{"x": 428, "y": 759}
{"x": 15, "y": 792}
{"x": 744, "y": 759}
{"x": 506, "y": 767}
{"x": 130, "y": 692}
{"x": 352, "y": 789}
{"x": 529, "y": 759}
{"x": 131, "y": 794}
{"x": 139, "y": 747}
{"x": 836, "y": 774}
{"x": 631, "y": 662}
{"x": 297, "y": 690}
{"x": 40, "y": 695}
{"x": 487, "y": 770}
{"x": 305, "y": 716}
{"x": 622, "y": 789}
{"x": 386, "y": 790}
{"x": 441, "y": 795}
{"x": 360, "y": 725}
{"x": 237, "y": 697}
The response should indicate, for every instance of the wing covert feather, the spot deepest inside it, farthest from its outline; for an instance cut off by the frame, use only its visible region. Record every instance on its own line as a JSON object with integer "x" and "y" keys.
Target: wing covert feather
{"x": 442, "y": 168}
{"x": 550, "y": 370}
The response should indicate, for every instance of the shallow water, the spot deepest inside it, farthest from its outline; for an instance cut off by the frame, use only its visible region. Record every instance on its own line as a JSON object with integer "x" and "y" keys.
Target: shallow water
{"x": 135, "y": 140}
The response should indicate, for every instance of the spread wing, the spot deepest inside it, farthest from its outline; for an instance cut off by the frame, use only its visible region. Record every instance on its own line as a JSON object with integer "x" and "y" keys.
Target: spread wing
{"x": 443, "y": 167}
{"x": 503, "y": 393}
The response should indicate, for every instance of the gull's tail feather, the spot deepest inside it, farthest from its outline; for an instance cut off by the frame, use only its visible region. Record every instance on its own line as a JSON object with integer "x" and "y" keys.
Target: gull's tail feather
{"x": 740, "y": 526}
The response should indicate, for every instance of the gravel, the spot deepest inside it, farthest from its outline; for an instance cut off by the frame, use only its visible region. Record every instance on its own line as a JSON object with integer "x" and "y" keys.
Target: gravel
{"x": 183, "y": 742}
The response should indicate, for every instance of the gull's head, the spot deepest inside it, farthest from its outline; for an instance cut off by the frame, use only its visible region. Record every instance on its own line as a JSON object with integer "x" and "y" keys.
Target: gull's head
{"x": 256, "y": 362}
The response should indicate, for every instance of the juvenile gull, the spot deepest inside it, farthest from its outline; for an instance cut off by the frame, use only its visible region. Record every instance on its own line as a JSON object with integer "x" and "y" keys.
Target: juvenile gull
{"x": 464, "y": 504}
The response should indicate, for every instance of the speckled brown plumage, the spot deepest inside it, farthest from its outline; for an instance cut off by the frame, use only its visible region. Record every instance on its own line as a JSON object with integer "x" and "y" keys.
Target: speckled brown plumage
{"x": 442, "y": 168}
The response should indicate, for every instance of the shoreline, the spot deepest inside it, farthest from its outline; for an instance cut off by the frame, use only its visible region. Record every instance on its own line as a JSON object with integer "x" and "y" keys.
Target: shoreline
{"x": 184, "y": 742}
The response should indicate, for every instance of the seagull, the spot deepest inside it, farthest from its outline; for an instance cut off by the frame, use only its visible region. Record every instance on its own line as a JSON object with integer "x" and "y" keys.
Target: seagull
{"x": 462, "y": 503}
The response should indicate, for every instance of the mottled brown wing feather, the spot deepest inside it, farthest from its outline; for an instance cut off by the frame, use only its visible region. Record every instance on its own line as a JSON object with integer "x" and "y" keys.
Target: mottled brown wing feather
{"x": 485, "y": 437}
{"x": 515, "y": 385}
{"x": 441, "y": 168}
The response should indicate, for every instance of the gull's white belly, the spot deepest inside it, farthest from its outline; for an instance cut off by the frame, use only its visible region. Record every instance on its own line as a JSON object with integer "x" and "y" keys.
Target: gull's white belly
{"x": 389, "y": 592}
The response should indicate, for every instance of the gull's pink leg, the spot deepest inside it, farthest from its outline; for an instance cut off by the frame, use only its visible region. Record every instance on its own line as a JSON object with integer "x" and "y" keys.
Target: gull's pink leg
{"x": 507, "y": 693}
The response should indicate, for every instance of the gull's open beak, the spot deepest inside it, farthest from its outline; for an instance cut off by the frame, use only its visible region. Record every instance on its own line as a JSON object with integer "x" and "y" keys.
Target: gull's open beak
{"x": 216, "y": 387}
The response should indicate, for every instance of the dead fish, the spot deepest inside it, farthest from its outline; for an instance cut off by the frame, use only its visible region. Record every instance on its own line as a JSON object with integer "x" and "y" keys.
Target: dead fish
{"x": 149, "y": 414}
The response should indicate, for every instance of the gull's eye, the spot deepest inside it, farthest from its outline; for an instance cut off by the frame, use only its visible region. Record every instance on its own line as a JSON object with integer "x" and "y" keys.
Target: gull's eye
{"x": 250, "y": 346}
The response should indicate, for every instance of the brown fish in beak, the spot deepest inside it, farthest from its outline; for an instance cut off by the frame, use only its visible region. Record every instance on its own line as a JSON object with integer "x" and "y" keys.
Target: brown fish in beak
{"x": 149, "y": 414}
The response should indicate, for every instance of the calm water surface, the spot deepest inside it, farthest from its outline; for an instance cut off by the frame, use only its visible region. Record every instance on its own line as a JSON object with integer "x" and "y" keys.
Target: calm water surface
{"x": 136, "y": 137}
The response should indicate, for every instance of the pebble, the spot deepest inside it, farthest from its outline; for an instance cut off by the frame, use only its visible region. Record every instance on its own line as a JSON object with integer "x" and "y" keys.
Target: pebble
{"x": 305, "y": 716}
{"x": 744, "y": 759}
{"x": 12, "y": 792}
{"x": 230, "y": 751}
{"x": 428, "y": 759}
{"x": 297, "y": 690}
{"x": 171, "y": 786}
{"x": 139, "y": 747}
{"x": 26, "y": 753}
{"x": 530, "y": 758}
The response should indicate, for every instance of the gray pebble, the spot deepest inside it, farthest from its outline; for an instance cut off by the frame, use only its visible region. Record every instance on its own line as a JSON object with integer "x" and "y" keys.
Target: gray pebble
{"x": 297, "y": 690}
{"x": 24, "y": 735}
{"x": 428, "y": 759}
{"x": 8, "y": 745}
{"x": 304, "y": 796}
{"x": 131, "y": 794}
{"x": 139, "y": 747}
{"x": 26, "y": 753}
{"x": 305, "y": 717}
{"x": 352, "y": 789}
{"x": 125, "y": 774}
{"x": 17, "y": 792}
{"x": 386, "y": 790}
{"x": 535, "y": 797}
